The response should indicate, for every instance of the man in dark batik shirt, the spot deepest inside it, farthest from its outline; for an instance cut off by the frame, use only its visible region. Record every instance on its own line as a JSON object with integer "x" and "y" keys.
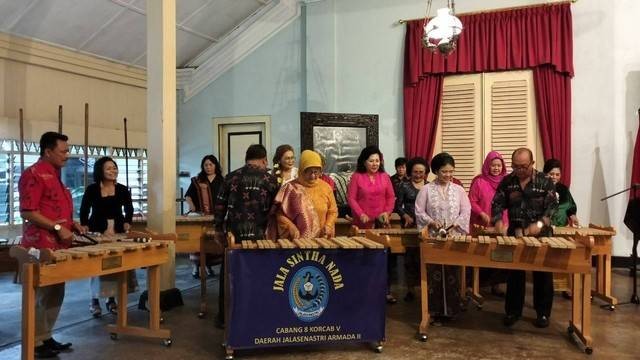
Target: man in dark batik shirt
{"x": 243, "y": 205}
{"x": 529, "y": 196}
{"x": 245, "y": 198}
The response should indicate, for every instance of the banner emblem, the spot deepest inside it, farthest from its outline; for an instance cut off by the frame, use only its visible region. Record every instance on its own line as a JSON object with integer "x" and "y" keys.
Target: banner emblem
{"x": 308, "y": 293}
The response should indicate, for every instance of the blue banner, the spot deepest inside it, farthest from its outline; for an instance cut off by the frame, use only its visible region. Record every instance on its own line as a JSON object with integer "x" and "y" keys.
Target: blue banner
{"x": 288, "y": 297}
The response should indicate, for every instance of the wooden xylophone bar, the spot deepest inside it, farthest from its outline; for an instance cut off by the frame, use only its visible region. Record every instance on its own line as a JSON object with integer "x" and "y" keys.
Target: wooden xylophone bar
{"x": 396, "y": 239}
{"x": 340, "y": 242}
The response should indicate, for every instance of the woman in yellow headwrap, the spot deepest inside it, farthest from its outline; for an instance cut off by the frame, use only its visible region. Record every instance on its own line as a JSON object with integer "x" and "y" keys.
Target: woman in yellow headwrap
{"x": 305, "y": 207}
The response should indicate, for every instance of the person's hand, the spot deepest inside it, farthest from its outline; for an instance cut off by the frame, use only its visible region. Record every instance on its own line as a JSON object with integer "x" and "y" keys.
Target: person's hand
{"x": 408, "y": 220}
{"x": 486, "y": 219}
{"x": 500, "y": 229}
{"x": 65, "y": 235}
{"x": 329, "y": 232}
{"x": 573, "y": 221}
{"x": 364, "y": 218}
{"x": 435, "y": 224}
{"x": 533, "y": 230}
{"x": 384, "y": 218}
{"x": 79, "y": 228}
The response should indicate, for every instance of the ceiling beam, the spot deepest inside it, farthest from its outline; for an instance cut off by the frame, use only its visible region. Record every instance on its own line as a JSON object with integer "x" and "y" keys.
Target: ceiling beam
{"x": 178, "y": 26}
{"x": 19, "y": 15}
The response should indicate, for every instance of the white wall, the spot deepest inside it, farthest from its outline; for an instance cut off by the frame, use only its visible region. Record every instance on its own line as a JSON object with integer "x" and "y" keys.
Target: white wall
{"x": 38, "y": 77}
{"x": 606, "y": 96}
{"x": 267, "y": 82}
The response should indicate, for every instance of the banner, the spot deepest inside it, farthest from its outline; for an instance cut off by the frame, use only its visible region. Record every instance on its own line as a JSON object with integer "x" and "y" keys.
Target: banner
{"x": 289, "y": 297}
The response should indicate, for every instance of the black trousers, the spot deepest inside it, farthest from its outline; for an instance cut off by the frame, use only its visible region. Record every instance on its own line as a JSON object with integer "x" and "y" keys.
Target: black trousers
{"x": 542, "y": 292}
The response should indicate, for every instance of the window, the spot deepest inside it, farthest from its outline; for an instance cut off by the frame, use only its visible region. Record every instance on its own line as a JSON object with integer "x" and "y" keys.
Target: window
{"x": 72, "y": 175}
{"x": 484, "y": 112}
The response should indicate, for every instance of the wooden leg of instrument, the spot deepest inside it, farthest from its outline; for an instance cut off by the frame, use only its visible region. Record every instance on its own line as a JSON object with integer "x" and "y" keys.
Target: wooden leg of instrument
{"x": 122, "y": 299}
{"x": 203, "y": 279}
{"x": 580, "y": 324}
{"x": 599, "y": 274}
{"x": 607, "y": 280}
{"x": 153, "y": 286}
{"x": 28, "y": 312}
{"x": 424, "y": 289}
{"x": 153, "y": 292}
{"x": 603, "y": 281}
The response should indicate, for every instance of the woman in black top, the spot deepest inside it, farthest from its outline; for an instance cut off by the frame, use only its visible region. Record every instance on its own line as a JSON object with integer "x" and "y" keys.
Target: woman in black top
{"x": 101, "y": 211}
{"x": 201, "y": 197}
{"x": 405, "y": 207}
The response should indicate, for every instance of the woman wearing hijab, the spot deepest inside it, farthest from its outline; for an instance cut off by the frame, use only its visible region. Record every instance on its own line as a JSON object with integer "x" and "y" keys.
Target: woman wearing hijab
{"x": 305, "y": 207}
{"x": 483, "y": 188}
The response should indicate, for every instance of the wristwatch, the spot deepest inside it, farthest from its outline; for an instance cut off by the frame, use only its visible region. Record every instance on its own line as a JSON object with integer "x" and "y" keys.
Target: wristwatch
{"x": 57, "y": 227}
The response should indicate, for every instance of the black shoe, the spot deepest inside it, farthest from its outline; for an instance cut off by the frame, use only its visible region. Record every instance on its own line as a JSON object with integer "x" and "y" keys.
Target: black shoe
{"x": 54, "y": 345}
{"x": 210, "y": 272}
{"x": 112, "y": 306}
{"x": 409, "y": 297}
{"x": 541, "y": 322}
{"x": 509, "y": 320}
{"x": 45, "y": 352}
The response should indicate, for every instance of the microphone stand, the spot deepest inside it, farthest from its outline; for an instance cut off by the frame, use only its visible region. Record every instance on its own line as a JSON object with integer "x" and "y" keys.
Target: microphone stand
{"x": 634, "y": 250}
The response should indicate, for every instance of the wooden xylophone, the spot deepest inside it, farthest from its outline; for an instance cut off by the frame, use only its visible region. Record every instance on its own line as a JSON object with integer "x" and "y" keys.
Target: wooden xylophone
{"x": 112, "y": 257}
{"x": 396, "y": 239}
{"x": 601, "y": 251}
{"x": 552, "y": 254}
{"x": 339, "y": 242}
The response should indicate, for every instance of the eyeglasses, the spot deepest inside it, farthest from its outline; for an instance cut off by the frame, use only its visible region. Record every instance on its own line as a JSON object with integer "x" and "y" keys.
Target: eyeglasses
{"x": 315, "y": 172}
{"x": 288, "y": 158}
{"x": 520, "y": 167}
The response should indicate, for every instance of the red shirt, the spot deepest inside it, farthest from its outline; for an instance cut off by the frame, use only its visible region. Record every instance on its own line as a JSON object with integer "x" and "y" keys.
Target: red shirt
{"x": 326, "y": 178}
{"x": 42, "y": 190}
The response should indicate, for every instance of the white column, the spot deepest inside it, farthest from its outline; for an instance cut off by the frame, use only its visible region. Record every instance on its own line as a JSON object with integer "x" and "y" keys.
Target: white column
{"x": 161, "y": 115}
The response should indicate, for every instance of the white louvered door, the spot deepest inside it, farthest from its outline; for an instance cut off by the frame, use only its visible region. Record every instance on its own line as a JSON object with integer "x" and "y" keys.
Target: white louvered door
{"x": 484, "y": 112}
{"x": 509, "y": 113}
{"x": 460, "y": 125}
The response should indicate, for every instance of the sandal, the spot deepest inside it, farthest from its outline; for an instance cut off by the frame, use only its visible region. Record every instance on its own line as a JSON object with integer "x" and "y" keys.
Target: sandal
{"x": 111, "y": 306}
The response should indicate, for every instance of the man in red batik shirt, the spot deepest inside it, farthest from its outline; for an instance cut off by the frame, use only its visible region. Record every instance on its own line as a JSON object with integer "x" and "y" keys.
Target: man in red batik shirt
{"x": 47, "y": 208}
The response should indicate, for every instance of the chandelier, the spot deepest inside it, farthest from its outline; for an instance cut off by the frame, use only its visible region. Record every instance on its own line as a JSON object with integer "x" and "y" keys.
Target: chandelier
{"x": 442, "y": 31}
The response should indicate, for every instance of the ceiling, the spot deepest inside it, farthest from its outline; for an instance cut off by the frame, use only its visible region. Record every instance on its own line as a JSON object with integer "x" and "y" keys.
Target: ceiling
{"x": 116, "y": 29}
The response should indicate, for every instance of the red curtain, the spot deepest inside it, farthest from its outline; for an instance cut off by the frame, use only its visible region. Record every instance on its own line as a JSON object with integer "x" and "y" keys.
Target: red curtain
{"x": 553, "y": 105}
{"x": 495, "y": 41}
